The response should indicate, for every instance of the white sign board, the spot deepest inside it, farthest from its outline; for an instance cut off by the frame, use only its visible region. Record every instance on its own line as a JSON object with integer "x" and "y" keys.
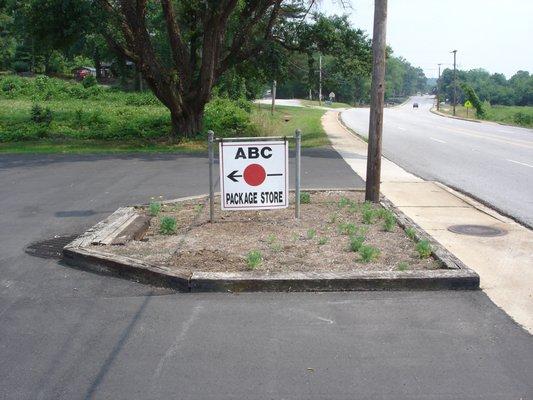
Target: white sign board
{"x": 254, "y": 175}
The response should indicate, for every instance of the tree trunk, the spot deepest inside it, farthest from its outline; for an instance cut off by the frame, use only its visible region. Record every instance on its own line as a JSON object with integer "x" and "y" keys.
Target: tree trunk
{"x": 187, "y": 124}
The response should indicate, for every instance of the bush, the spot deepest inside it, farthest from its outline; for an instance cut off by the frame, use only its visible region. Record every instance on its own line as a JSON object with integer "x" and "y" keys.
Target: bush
{"x": 522, "y": 118}
{"x": 20, "y": 66}
{"x": 226, "y": 119}
{"x": 356, "y": 242}
{"x": 155, "y": 209}
{"x": 89, "y": 81}
{"x": 41, "y": 115}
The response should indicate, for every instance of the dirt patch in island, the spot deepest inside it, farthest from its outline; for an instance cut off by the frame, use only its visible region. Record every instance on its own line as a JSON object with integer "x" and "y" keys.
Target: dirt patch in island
{"x": 324, "y": 239}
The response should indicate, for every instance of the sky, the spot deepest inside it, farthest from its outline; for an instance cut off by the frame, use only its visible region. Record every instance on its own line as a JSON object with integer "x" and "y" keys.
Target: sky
{"x": 494, "y": 35}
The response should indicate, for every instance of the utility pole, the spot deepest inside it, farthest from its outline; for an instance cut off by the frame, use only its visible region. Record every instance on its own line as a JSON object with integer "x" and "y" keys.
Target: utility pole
{"x": 375, "y": 129}
{"x": 454, "y": 80}
{"x": 320, "y": 79}
{"x": 274, "y": 84}
{"x": 438, "y": 89}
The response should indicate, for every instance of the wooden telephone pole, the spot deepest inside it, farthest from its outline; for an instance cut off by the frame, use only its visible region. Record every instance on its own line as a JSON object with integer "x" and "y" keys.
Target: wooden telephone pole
{"x": 375, "y": 129}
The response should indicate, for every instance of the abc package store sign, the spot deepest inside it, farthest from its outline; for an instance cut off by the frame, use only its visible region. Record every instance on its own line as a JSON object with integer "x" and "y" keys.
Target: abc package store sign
{"x": 254, "y": 175}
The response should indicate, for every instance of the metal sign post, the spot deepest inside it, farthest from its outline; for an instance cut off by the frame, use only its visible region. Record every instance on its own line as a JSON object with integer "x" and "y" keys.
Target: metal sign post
{"x": 298, "y": 140}
{"x": 254, "y": 173}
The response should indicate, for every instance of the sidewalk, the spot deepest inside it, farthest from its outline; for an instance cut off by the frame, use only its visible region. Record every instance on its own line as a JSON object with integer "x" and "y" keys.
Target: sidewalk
{"x": 504, "y": 263}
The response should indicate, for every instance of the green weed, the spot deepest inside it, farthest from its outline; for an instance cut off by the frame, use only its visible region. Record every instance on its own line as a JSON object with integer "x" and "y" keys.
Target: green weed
{"x": 389, "y": 221}
{"x": 322, "y": 241}
{"x": 356, "y": 242}
{"x": 254, "y": 259}
{"x": 403, "y": 266}
{"x": 271, "y": 238}
{"x": 348, "y": 229}
{"x": 305, "y": 198}
{"x": 411, "y": 233}
{"x": 311, "y": 233}
{"x": 368, "y": 253}
{"x": 168, "y": 225}
{"x": 424, "y": 249}
{"x": 155, "y": 209}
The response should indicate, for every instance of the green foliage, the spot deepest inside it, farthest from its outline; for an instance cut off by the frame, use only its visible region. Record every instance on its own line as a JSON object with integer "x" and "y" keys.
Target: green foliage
{"x": 356, "y": 242}
{"x": 348, "y": 228}
{"x": 411, "y": 233}
{"x": 369, "y": 215}
{"x": 226, "y": 119}
{"x": 403, "y": 266}
{"x": 155, "y": 209}
{"x": 424, "y": 249}
{"x": 305, "y": 197}
{"x": 389, "y": 221}
{"x": 322, "y": 241}
{"x": 41, "y": 115}
{"x": 471, "y": 96}
{"x": 368, "y": 253}
{"x": 344, "y": 201}
{"x": 254, "y": 259}
{"x": 311, "y": 233}
{"x": 168, "y": 225}
{"x": 89, "y": 81}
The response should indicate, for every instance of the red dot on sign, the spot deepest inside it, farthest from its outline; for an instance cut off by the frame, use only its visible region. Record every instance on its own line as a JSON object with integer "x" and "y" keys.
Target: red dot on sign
{"x": 254, "y": 174}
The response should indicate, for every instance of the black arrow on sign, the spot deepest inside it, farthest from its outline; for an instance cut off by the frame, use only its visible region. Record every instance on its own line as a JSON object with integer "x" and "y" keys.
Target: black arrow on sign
{"x": 234, "y": 177}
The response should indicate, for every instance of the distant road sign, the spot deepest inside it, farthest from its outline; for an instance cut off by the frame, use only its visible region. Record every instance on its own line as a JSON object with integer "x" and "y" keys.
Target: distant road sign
{"x": 468, "y": 104}
{"x": 254, "y": 175}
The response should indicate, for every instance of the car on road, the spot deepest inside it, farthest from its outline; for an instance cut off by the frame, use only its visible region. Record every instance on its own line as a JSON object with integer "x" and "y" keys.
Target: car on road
{"x": 415, "y": 105}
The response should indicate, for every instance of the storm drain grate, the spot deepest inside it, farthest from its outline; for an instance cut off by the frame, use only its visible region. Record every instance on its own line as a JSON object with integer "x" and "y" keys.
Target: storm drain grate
{"x": 50, "y": 248}
{"x": 477, "y": 230}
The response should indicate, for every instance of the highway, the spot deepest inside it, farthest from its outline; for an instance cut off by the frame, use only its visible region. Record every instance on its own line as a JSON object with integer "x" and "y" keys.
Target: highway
{"x": 492, "y": 162}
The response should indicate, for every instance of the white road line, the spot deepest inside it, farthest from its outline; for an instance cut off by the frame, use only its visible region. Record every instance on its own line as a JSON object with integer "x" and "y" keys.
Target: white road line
{"x": 521, "y": 163}
{"x": 437, "y": 140}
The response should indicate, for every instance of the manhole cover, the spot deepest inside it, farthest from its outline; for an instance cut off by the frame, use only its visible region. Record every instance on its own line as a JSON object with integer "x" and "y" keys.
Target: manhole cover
{"x": 49, "y": 248}
{"x": 477, "y": 230}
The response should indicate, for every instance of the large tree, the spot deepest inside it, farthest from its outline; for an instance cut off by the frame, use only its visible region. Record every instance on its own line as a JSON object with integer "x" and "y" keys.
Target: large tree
{"x": 182, "y": 48}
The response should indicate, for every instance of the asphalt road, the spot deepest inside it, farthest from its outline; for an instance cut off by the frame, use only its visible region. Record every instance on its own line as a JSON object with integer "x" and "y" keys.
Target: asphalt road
{"x": 69, "y": 334}
{"x": 490, "y": 161}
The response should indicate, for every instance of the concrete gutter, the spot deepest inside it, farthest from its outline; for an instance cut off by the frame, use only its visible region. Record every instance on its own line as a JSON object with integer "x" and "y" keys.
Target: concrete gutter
{"x": 504, "y": 263}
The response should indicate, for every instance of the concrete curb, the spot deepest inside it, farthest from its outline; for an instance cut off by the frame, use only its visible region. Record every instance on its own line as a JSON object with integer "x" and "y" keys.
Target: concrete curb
{"x": 80, "y": 254}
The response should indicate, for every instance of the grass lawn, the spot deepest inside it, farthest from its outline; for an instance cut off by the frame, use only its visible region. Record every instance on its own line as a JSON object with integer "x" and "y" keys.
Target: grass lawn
{"x": 510, "y": 115}
{"x": 93, "y": 126}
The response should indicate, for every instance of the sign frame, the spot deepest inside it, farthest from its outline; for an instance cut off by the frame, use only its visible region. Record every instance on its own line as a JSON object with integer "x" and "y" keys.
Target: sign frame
{"x": 297, "y": 167}
{"x": 238, "y": 179}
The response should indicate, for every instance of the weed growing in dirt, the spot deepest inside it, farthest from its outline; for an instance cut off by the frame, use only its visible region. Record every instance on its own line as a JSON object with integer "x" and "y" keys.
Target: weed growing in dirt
{"x": 403, "y": 266}
{"x": 333, "y": 218}
{"x": 168, "y": 225}
{"x": 198, "y": 208}
{"x": 155, "y": 209}
{"x": 254, "y": 259}
{"x": 343, "y": 202}
{"x": 271, "y": 238}
{"x": 322, "y": 241}
{"x": 411, "y": 233}
{"x": 389, "y": 221}
{"x": 356, "y": 242}
{"x": 368, "y": 253}
{"x": 311, "y": 233}
{"x": 423, "y": 248}
{"x": 305, "y": 198}
{"x": 347, "y": 228}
